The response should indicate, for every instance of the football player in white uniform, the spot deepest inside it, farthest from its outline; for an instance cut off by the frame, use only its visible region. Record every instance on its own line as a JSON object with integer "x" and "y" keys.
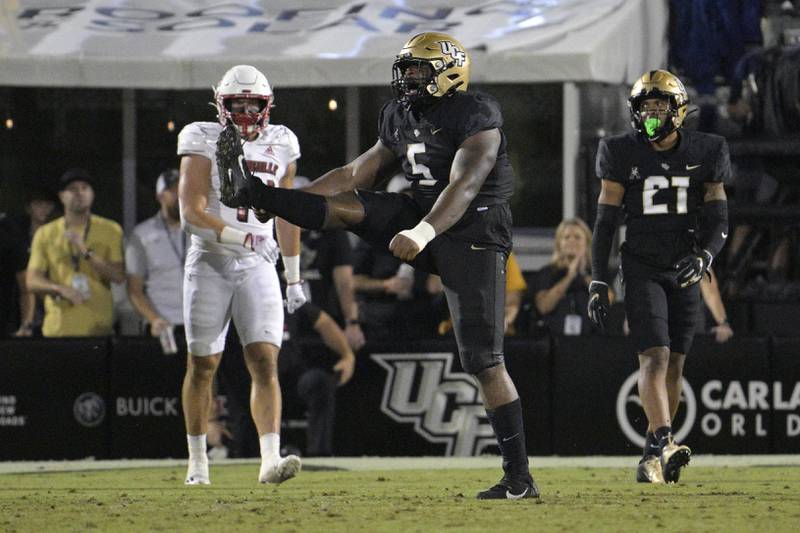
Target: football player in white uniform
{"x": 230, "y": 268}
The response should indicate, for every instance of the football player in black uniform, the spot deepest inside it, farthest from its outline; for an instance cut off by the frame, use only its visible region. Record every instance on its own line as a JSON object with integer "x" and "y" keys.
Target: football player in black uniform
{"x": 449, "y": 144}
{"x": 669, "y": 182}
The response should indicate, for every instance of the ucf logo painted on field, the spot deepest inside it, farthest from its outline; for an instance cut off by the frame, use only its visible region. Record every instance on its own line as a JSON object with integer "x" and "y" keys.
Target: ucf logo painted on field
{"x": 444, "y": 406}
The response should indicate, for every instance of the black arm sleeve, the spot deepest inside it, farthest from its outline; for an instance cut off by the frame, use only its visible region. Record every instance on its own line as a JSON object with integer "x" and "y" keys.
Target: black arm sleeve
{"x": 713, "y": 226}
{"x": 604, "y": 226}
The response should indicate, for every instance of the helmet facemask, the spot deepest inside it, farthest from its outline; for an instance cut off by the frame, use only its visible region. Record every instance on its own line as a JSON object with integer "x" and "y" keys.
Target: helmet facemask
{"x": 248, "y": 112}
{"x": 413, "y": 81}
{"x": 654, "y": 116}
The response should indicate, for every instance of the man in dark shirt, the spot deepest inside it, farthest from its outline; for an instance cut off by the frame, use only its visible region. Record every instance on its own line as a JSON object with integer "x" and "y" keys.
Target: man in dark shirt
{"x": 449, "y": 144}
{"x": 14, "y": 256}
{"x": 669, "y": 183}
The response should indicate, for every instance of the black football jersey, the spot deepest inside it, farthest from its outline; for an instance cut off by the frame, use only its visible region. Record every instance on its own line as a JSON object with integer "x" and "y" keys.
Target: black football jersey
{"x": 663, "y": 190}
{"x": 426, "y": 144}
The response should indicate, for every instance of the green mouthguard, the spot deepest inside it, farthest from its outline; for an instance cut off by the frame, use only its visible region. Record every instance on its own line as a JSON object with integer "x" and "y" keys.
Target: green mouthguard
{"x": 651, "y": 125}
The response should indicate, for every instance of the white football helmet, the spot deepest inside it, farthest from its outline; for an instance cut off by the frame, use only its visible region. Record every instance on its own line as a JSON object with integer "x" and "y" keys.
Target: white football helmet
{"x": 243, "y": 81}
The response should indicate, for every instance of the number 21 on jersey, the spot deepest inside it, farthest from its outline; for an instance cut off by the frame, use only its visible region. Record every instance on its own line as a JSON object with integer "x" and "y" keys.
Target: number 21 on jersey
{"x": 653, "y": 184}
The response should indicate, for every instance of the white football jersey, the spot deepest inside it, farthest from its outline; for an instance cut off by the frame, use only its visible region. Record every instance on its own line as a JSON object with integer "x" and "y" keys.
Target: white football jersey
{"x": 267, "y": 157}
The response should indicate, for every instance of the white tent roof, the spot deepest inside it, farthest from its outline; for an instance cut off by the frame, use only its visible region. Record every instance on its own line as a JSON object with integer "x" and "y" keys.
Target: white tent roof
{"x": 182, "y": 44}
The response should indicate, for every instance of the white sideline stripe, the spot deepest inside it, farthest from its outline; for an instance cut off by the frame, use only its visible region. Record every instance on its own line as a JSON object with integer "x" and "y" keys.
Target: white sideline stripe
{"x": 403, "y": 463}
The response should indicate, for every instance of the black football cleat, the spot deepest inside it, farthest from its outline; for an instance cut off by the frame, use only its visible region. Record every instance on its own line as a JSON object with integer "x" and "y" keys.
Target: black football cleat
{"x": 674, "y": 457}
{"x": 511, "y": 489}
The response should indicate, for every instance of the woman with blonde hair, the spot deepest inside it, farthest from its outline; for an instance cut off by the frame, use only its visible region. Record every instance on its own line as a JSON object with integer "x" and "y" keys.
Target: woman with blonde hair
{"x": 562, "y": 286}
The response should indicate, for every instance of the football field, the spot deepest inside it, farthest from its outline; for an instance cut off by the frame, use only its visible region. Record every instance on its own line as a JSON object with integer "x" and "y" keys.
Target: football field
{"x": 430, "y": 494}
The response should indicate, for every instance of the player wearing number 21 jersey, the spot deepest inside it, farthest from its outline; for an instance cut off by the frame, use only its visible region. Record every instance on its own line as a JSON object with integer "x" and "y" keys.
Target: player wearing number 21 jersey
{"x": 669, "y": 184}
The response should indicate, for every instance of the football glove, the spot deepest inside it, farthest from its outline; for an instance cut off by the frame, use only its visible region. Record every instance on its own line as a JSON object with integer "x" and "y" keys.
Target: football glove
{"x": 598, "y": 304}
{"x": 692, "y": 267}
{"x": 295, "y": 297}
{"x": 266, "y": 247}
{"x": 232, "y": 168}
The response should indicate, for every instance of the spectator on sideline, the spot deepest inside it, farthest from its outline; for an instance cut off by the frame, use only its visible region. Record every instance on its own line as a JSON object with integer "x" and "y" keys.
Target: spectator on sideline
{"x": 709, "y": 289}
{"x": 327, "y": 268}
{"x": 154, "y": 259}
{"x": 314, "y": 374}
{"x": 40, "y": 208}
{"x": 12, "y": 278}
{"x": 562, "y": 287}
{"x": 73, "y": 261}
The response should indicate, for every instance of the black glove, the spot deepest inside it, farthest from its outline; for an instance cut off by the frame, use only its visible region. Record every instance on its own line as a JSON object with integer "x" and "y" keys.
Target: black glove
{"x": 232, "y": 167}
{"x": 598, "y": 304}
{"x": 692, "y": 267}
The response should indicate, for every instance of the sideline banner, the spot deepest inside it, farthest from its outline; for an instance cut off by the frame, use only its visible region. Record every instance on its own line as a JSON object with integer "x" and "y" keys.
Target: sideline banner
{"x": 415, "y": 399}
{"x": 785, "y": 395}
{"x": 54, "y": 401}
{"x": 726, "y": 405}
{"x": 72, "y": 398}
{"x": 145, "y": 411}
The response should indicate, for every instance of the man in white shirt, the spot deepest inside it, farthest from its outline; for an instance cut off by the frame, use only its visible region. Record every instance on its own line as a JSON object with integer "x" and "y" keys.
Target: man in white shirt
{"x": 154, "y": 259}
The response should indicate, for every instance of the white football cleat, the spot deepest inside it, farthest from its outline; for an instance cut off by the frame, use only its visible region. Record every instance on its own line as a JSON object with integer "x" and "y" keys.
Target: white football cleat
{"x": 197, "y": 474}
{"x": 285, "y": 468}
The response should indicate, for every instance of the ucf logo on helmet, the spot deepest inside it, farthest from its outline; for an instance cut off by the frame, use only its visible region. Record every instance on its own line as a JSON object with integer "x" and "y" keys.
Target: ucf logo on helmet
{"x": 444, "y": 406}
{"x": 458, "y": 55}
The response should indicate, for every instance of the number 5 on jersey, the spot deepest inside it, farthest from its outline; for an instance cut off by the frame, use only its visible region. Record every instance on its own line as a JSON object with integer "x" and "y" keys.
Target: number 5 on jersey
{"x": 418, "y": 168}
{"x": 653, "y": 184}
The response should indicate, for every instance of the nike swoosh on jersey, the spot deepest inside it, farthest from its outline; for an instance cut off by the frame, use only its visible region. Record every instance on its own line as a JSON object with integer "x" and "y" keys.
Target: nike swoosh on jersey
{"x": 724, "y": 235}
{"x": 434, "y": 132}
{"x": 473, "y": 247}
{"x": 692, "y": 167}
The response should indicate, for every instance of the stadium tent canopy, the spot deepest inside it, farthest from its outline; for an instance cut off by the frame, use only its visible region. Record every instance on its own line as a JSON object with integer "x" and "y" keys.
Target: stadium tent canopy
{"x": 183, "y": 44}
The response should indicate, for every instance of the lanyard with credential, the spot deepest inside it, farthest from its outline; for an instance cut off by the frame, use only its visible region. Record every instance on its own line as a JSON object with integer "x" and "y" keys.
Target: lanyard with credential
{"x": 182, "y": 254}
{"x": 76, "y": 258}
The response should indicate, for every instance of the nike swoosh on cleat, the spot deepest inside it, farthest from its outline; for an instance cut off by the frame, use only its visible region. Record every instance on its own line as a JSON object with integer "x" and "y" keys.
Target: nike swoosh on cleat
{"x": 692, "y": 167}
{"x": 516, "y": 496}
{"x": 724, "y": 235}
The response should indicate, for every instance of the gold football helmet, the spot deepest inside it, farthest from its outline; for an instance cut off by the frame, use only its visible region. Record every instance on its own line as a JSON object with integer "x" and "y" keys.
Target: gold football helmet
{"x": 442, "y": 67}
{"x": 662, "y": 85}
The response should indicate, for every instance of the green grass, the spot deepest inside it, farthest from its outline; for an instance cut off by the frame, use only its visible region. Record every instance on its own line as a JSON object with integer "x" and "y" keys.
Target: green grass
{"x": 573, "y": 499}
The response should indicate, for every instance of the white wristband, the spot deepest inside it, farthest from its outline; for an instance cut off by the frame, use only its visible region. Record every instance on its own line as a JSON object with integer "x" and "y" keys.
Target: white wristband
{"x": 292, "y": 266}
{"x": 230, "y": 235}
{"x": 421, "y": 234}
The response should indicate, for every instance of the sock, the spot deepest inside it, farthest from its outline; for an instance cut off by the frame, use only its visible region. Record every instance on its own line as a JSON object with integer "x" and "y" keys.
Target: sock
{"x": 270, "y": 447}
{"x": 662, "y": 434}
{"x": 197, "y": 448}
{"x": 506, "y": 421}
{"x": 651, "y": 445}
{"x": 303, "y": 209}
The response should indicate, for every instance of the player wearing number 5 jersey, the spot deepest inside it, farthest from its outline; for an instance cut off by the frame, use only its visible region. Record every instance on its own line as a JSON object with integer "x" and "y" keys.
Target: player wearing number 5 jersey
{"x": 449, "y": 144}
{"x": 230, "y": 267}
{"x": 669, "y": 183}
